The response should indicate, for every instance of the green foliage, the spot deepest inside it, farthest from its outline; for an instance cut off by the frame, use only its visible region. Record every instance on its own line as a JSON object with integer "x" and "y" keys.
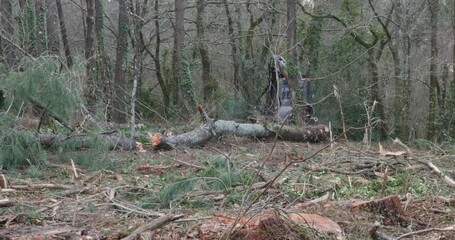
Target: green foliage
{"x": 188, "y": 86}
{"x": 352, "y": 10}
{"x": 234, "y": 108}
{"x": 402, "y": 183}
{"x": 26, "y": 23}
{"x": 18, "y": 148}
{"x": 41, "y": 25}
{"x": 41, "y": 82}
{"x": 217, "y": 175}
{"x": 89, "y": 153}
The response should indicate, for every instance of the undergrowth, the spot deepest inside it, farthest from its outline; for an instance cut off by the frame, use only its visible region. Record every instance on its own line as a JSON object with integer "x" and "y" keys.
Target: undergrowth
{"x": 217, "y": 175}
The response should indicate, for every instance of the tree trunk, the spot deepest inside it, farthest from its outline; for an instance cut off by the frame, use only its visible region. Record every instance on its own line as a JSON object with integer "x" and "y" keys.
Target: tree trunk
{"x": 156, "y": 58}
{"x": 91, "y": 88}
{"x": 66, "y": 47}
{"x": 452, "y": 90}
{"x": 210, "y": 85}
{"x": 396, "y": 48}
{"x": 291, "y": 30}
{"x": 294, "y": 76}
{"x": 112, "y": 141}
{"x": 53, "y": 45}
{"x": 6, "y": 18}
{"x": 211, "y": 128}
{"x": 118, "y": 108}
{"x": 179, "y": 91}
{"x": 40, "y": 29}
{"x": 234, "y": 43}
{"x": 103, "y": 77}
{"x": 137, "y": 59}
{"x": 434, "y": 84}
{"x": 27, "y": 33}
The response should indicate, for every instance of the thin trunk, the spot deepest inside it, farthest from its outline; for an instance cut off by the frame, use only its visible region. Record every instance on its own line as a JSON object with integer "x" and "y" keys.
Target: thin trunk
{"x": 233, "y": 42}
{"x": 294, "y": 76}
{"x": 396, "y": 48}
{"x": 52, "y": 28}
{"x": 27, "y": 33}
{"x": 156, "y": 58}
{"x": 40, "y": 29}
{"x": 66, "y": 47}
{"x": 103, "y": 77}
{"x": 177, "y": 59}
{"x": 119, "y": 108}
{"x": 137, "y": 62}
{"x": 452, "y": 90}
{"x": 8, "y": 30}
{"x": 291, "y": 30}
{"x": 92, "y": 90}
{"x": 265, "y": 53}
{"x": 434, "y": 84}
{"x": 210, "y": 86}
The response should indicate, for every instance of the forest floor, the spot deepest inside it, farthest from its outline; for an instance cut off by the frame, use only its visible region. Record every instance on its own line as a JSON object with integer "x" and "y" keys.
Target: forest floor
{"x": 343, "y": 191}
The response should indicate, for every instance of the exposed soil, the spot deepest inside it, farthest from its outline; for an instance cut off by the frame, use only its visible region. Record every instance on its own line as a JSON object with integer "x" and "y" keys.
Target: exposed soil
{"x": 110, "y": 204}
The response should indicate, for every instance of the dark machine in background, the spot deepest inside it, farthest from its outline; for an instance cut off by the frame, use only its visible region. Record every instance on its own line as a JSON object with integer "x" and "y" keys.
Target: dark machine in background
{"x": 279, "y": 94}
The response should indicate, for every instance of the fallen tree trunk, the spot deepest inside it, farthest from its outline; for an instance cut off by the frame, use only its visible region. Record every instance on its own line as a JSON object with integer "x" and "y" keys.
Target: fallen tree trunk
{"x": 111, "y": 141}
{"x": 211, "y": 128}
{"x": 197, "y": 137}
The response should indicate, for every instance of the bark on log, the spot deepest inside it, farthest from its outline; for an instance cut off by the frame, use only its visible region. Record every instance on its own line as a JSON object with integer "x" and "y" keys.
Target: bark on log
{"x": 201, "y": 135}
{"x": 211, "y": 128}
{"x": 113, "y": 141}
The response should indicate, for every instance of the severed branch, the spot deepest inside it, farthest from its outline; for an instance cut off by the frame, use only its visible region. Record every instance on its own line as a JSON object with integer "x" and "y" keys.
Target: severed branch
{"x": 433, "y": 167}
{"x": 157, "y": 223}
{"x": 446, "y": 178}
{"x": 41, "y": 186}
{"x": 6, "y": 202}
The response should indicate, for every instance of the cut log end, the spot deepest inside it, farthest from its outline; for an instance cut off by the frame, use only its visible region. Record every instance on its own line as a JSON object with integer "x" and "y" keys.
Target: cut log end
{"x": 159, "y": 142}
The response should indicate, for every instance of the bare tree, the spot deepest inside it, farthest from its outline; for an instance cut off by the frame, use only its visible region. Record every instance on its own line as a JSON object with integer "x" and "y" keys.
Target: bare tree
{"x": 435, "y": 90}
{"x": 103, "y": 77}
{"x": 40, "y": 29}
{"x": 233, "y": 41}
{"x": 177, "y": 59}
{"x": 291, "y": 30}
{"x": 210, "y": 85}
{"x": 118, "y": 108}
{"x": 7, "y": 30}
{"x": 165, "y": 88}
{"x": 66, "y": 47}
{"x": 92, "y": 86}
{"x": 52, "y": 28}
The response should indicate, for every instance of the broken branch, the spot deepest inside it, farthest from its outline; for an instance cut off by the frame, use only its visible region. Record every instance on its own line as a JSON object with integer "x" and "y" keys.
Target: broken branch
{"x": 157, "y": 223}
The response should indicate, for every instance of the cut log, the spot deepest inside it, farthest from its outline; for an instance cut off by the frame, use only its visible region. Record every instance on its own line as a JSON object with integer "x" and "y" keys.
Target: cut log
{"x": 211, "y": 128}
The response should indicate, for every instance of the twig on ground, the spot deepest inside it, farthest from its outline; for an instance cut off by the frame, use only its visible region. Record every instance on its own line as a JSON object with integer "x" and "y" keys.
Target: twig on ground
{"x": 48, "y": 207}
{"x": 384, "y": 181}
{"x": 130, "y": 208}
{"x": 41, "y": 186}
{"x": 6, "y": 202}
{"x": 73, "y": 167}
{"x": 446, "y": 229}
{"x": 446, "y": 178}
{"x": 155, "y": 224}
{"x": 397, "y": 141}
{"x": 182, "y": 162}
